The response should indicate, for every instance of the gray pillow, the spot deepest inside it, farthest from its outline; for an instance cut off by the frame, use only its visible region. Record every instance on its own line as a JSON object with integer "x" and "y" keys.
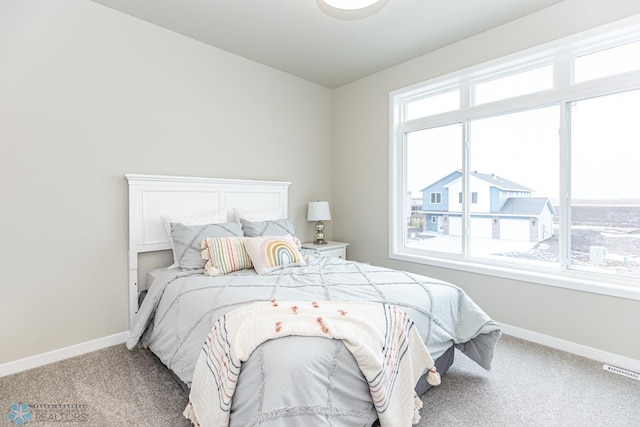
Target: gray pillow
{"x": 276, "y": 227}
{"x": 187, "y": 240}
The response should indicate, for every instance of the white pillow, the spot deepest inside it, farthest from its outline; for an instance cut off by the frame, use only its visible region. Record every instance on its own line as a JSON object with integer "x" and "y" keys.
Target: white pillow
{"x": 257, "y": 215}
{"x": 208, "y": 218}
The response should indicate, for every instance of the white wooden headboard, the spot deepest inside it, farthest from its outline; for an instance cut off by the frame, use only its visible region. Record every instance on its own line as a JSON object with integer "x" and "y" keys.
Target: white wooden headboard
{"x": 153, "y": 195}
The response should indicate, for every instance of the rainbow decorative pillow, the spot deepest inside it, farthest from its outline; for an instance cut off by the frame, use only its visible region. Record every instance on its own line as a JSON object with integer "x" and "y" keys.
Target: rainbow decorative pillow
{"x": 269, "y": 253}
{"x": 224, "y": 255}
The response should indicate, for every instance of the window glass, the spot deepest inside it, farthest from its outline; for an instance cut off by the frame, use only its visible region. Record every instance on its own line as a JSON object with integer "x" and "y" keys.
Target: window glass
{"x": 607, "y": 62}
{"x": 515, "y": 171}
{"x": 448, "y": 101}
{"x": 605, "y": 185}
{"x": 544, "y": 186}
{"x": 434, "y": 158}
{"x": 514, "y": 85}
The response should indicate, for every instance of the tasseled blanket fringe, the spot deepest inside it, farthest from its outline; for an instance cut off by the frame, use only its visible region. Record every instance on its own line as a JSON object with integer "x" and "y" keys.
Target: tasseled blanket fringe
{"x": 190, "y": 414}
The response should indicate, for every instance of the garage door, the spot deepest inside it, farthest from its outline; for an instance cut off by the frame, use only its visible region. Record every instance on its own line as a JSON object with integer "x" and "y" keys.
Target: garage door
{"x": 514, "y": 229}
{"x": 481, "y": 228}
{"x": 455, "y": 226}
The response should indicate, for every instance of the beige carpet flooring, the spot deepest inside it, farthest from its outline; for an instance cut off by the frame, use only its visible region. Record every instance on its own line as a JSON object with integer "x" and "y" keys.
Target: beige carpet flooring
{"x": 529, "y": 385}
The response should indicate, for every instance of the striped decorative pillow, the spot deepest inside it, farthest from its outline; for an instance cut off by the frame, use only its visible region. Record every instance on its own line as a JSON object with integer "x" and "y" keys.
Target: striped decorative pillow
{"x": 224, "y": 255}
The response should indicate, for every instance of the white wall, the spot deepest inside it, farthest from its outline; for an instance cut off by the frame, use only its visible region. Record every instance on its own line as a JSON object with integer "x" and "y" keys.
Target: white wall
{"x": 88, "y": 94}
{"x": 361, "y": 183}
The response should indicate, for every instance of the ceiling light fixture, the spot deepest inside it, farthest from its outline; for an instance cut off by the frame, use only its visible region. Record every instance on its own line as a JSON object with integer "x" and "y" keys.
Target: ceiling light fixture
{"x": 350, "y": 4}
{"x": 351, "y": 9}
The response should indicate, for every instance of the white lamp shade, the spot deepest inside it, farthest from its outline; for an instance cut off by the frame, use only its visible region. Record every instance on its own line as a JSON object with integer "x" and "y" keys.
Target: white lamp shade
{"x": 318, "y": 211}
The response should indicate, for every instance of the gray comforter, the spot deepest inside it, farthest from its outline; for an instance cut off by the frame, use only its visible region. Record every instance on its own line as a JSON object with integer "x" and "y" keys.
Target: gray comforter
{"x": 309, "y": 381}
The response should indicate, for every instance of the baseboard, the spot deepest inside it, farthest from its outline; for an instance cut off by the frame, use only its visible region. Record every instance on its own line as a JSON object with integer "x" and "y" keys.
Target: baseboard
{"x": 538, "y": 338}
{"x": 571, "y": 347}
{"x": 61, "y": 354}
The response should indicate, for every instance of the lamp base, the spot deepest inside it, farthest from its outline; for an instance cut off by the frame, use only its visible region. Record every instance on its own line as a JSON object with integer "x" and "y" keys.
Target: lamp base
{"x": 319, "y": 234}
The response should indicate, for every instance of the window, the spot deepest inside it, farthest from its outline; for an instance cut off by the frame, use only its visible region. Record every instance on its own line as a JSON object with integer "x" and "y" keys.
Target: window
{"x": 433, "y": 104}
{"x": 607, "y": 62}
{"x": 605, "y": 220}
{"x": 532, "y": 169}
{"x": 474, "y": 197}
{"x": 515, "y": 162}
{"x": 514, "y": 85}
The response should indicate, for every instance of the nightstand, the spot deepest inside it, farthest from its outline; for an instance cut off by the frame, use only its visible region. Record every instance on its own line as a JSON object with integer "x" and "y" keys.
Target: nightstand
{"x": 334, "y": 249}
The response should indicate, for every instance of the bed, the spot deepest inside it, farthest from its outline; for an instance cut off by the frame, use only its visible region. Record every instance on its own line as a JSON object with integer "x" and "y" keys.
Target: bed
{"x": 293, "y": 380}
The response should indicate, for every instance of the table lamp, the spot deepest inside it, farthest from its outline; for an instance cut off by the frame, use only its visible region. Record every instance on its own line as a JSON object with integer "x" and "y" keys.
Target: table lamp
{"x": 319, "y": 211}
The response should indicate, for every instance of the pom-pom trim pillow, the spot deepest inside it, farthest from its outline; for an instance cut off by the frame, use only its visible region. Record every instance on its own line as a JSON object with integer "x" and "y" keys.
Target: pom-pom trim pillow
{"x": 269, "y": 253}
{"x": 224, "y": 255}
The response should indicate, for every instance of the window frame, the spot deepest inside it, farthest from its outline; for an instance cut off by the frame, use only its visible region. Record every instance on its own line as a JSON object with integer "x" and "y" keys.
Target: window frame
{"x": 561, "y": 54}
{"x": 437, "y": 196}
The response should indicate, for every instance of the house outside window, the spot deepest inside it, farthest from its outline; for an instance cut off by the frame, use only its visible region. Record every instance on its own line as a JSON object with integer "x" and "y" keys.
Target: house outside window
{"x": 474, "y": 197}
{"x": 545, "y": 145}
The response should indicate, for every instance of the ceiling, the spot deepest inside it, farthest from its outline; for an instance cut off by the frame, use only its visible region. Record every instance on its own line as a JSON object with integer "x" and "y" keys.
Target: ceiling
{"x": 298, "y": 37}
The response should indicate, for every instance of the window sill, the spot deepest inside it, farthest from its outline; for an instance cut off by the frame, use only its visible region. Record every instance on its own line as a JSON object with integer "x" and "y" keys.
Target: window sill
{"x": 602, "y": 284}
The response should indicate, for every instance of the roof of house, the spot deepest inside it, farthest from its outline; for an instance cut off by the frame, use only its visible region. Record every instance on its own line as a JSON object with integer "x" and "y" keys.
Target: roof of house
{"x": 501, "y": 183}
{"x": 445, "y": 179}
{"x": 493, "y": 179}
{"x": 526, "y": 206}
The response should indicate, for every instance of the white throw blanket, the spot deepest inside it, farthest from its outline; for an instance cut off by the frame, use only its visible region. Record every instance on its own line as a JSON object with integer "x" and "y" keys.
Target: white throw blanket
{"x": 381, "y": 337}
